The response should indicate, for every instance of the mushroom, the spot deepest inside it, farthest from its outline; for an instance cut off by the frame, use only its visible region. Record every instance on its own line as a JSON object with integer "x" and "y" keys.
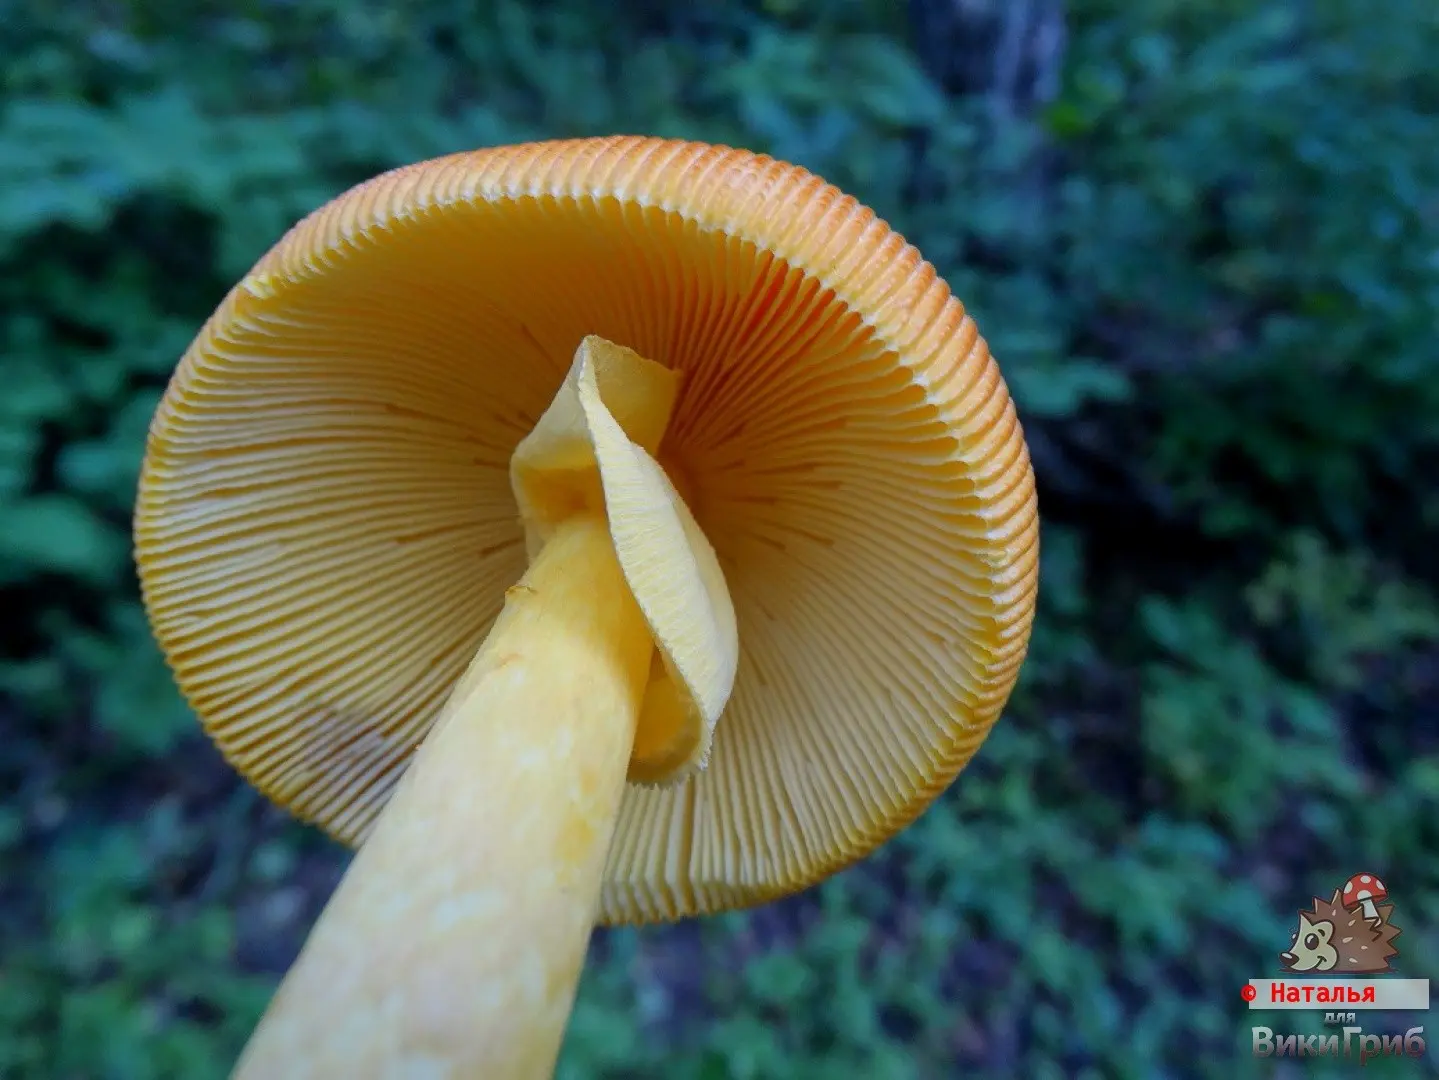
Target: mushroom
{"x": 1365, "y": 891}
{"x": 598, "y": 531}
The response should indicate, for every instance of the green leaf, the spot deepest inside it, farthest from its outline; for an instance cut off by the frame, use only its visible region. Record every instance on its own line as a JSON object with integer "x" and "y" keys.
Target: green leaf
{"x": 59, "y": 535}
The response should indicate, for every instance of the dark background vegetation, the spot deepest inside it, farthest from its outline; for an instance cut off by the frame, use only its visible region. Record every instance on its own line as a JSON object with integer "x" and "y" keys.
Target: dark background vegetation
{"x": 1203, "y": 240}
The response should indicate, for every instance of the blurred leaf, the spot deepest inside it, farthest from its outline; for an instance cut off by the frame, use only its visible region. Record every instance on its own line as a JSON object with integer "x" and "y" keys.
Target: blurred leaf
{"x": 57, "y": 534}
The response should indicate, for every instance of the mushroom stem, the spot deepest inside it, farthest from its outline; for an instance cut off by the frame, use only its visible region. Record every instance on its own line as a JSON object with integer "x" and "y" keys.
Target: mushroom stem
{"x": 454, "y": 944}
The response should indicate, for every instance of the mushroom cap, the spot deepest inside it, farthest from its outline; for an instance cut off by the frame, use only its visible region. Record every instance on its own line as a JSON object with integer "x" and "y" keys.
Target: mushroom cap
{"x": 1363, "y": 887}
{"x": 325, "y": 526}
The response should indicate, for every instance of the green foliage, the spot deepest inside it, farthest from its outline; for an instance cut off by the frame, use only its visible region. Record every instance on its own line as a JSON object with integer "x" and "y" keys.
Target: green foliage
{"x": 1259, "y": 194}
{"x": 1207, "y": 264}
{"x": 150, "y": 993}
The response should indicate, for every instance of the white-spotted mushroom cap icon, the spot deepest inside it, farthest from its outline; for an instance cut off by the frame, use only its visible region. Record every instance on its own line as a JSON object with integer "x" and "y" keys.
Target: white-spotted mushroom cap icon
{"x": 608, "y": 530}
{"x": 1366, "y": 892}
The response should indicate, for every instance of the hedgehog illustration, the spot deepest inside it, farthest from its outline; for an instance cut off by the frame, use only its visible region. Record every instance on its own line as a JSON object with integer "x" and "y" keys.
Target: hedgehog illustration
{"x": 1332, "y": 938}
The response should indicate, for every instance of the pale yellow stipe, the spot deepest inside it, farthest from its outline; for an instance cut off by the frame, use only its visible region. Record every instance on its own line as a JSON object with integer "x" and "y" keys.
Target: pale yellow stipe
{"x": 454, "y": 944}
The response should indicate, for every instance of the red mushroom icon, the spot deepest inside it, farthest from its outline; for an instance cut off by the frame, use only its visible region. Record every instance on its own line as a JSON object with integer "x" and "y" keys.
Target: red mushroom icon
{"x": 1366, "y": 891}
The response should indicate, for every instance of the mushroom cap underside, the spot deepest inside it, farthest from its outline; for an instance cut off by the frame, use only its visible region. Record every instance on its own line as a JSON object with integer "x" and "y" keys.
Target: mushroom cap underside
{"x": 325, "y": 527}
